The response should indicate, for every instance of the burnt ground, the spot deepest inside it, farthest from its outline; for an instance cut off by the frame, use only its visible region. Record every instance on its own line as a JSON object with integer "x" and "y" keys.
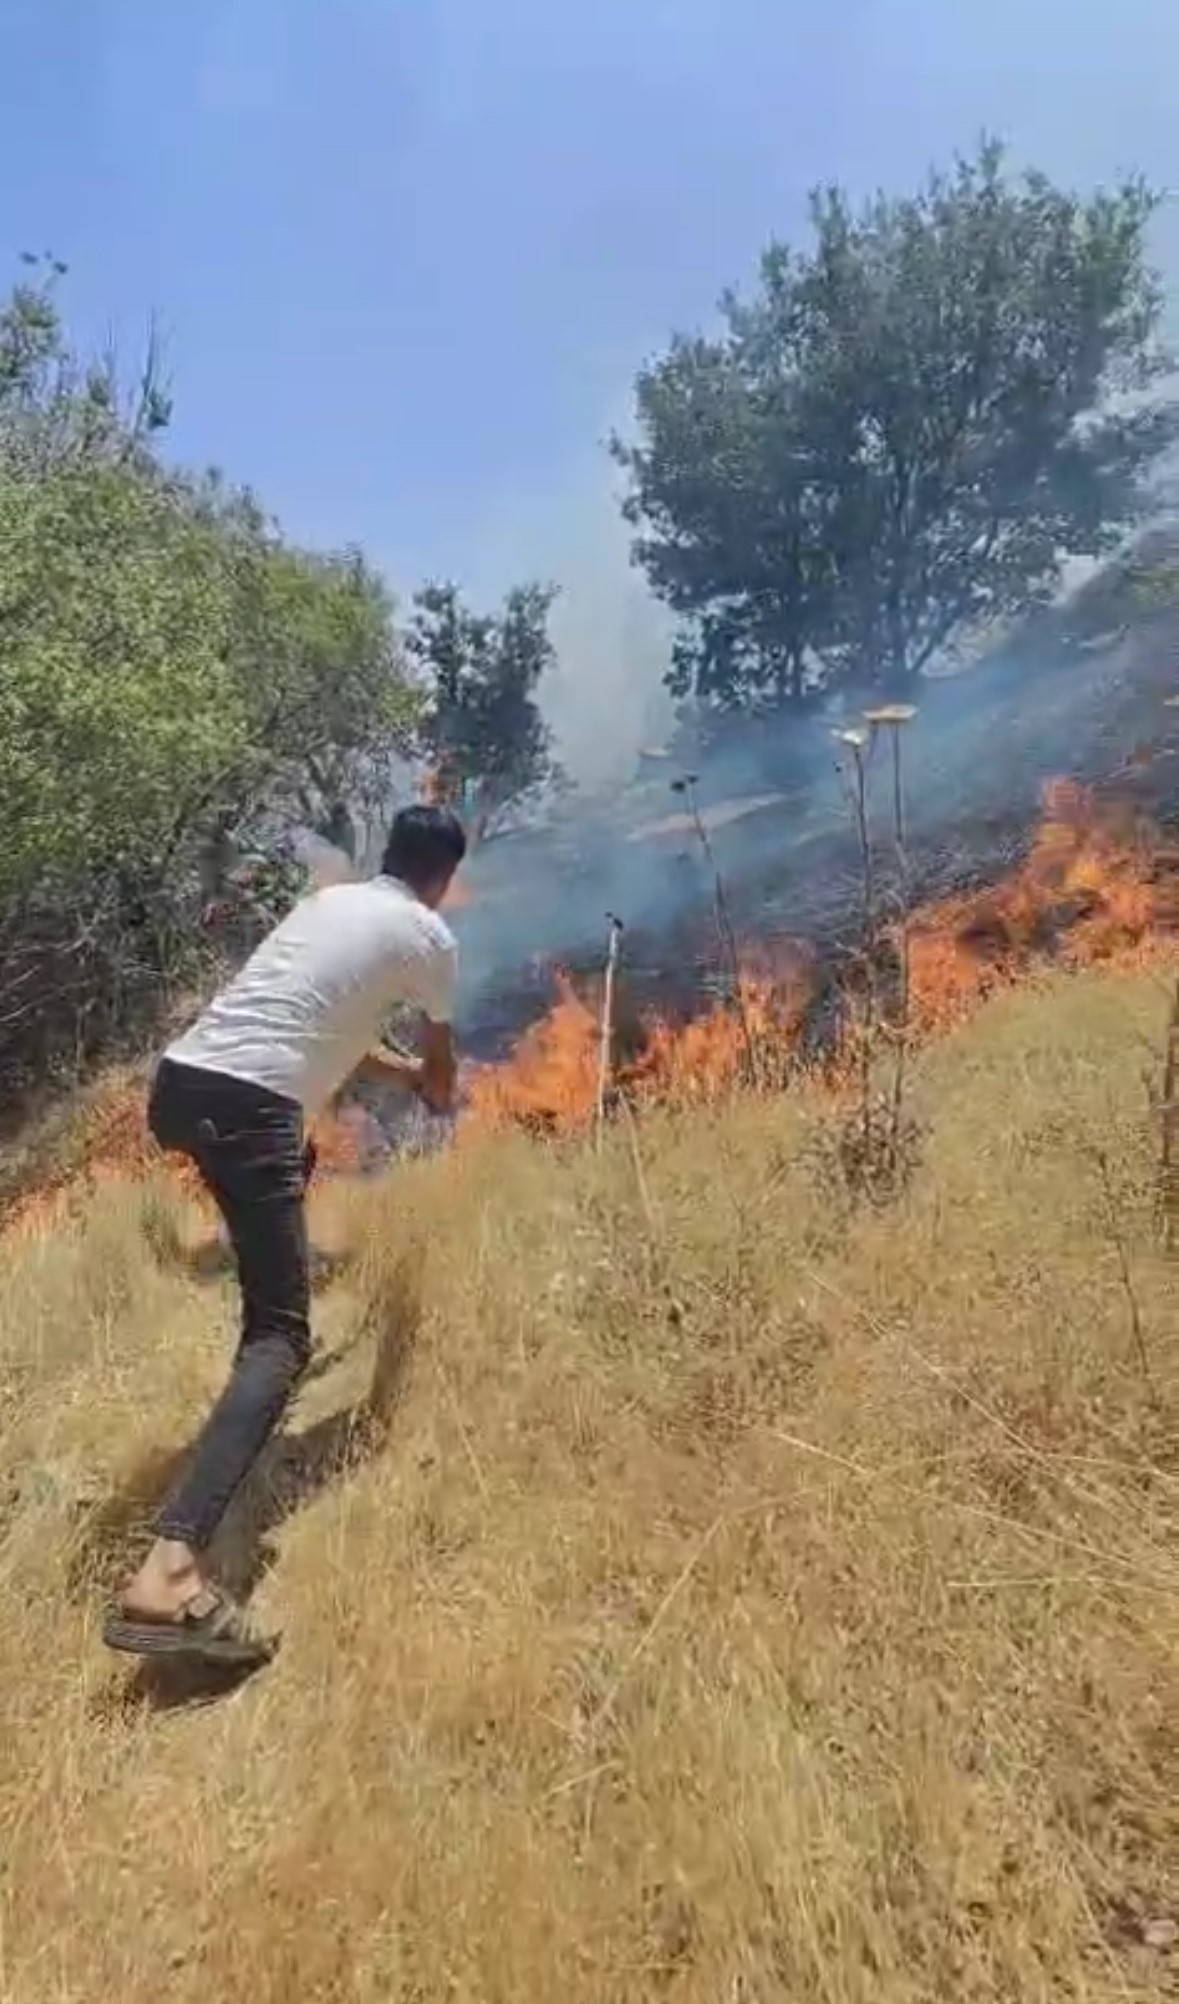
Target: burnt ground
{"x": 976, "y": 761}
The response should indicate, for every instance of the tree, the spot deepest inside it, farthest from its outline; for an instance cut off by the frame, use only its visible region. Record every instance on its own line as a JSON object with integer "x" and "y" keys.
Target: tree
{"x": 900, "y": 436}
{"x": 735, "y": 514}
{"x": 178, "y": 683}
{"x": 320, "y": 670}
{"x": 482, "y": 729}
{"x": 57, "y": 410}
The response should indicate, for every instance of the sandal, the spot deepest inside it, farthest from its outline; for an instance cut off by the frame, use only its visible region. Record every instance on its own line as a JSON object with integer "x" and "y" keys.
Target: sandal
{"x": 210, "y": 1629}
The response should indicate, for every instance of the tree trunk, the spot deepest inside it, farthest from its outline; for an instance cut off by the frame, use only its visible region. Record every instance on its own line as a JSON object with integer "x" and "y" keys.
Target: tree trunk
{"x": 797, "y": 676}
{"x": 788, "y": 676}
{"x": 339, "y": 828}
{"x": 896, "y": 677}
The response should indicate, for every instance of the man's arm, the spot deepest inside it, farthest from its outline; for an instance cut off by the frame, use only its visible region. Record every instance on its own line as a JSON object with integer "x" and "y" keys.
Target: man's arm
{"x": 432, "y": 1076}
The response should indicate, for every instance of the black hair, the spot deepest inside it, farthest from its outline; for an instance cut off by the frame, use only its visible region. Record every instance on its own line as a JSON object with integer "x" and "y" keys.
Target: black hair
{"x": 426, "y": 844}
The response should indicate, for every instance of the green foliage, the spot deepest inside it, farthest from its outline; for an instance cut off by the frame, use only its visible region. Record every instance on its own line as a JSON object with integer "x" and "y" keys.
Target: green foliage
{"x": 898, "y": 438}
{"x": 316, "y": 663}
{"x": 481, "y": 727}
{"x": 117, "y": 698}
{"x": 176, "y": 681}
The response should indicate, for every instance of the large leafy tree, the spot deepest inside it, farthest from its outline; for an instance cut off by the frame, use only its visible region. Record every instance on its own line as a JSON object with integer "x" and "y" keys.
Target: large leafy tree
{"x": 898, "y": 438}
{"x": 176, "y": 681}
{"x": 117, "y": 700}
{"x": 734, "y": 503}
{"x": 319, "y": 668}
{"x": 482, "y": 728}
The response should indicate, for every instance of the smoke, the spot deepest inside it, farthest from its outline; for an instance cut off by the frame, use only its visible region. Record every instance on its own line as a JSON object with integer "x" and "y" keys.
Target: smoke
{"x": 982, "y": 746}
{"x": 325, "y": 863}
{"x": 976, "y": 757}
{"x": 539, "y": 894}
{"x": 605, "y": 699}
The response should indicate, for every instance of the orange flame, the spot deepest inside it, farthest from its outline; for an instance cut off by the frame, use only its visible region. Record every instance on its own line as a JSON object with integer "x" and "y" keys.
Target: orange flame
{"x": 1092, "y": 888}
{"x": 551, "y": 1080}
{"x": 1095, "y": 886}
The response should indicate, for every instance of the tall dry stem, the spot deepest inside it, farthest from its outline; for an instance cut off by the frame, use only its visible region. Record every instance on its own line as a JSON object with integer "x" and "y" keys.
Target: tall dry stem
{"x": 854, "y": 778}
{"x": 726, "y": 935}
{"x": 1117, "y": 1239}
{"x": 874, "y": 1161}
{"x": 893, "y": 717}
{"x": 606, "y": 1029}
{"x": 1168, "y": 1181}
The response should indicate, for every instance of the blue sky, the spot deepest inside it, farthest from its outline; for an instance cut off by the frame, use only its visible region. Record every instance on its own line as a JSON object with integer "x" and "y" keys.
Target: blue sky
{"x": 408, "y": 253}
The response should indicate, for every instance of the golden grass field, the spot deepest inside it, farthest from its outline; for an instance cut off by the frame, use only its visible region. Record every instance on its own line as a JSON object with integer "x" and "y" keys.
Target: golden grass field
{"x": 724, "y": 1599}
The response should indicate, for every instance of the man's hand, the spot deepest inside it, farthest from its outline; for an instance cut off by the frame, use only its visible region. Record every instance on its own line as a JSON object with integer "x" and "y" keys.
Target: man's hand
{"x": 432, "y": 1076}
{"x": 438, "y": 1067}
{"x": 384, "y": 1066}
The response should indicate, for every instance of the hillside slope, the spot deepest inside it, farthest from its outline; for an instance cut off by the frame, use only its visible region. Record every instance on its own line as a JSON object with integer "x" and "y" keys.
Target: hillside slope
{"x": 721, "y": 1599}
{"x": 786, "y": 849}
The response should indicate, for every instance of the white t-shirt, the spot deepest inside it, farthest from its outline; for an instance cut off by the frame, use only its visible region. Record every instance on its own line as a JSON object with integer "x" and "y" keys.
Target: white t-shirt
{"x": 312, "y": 999}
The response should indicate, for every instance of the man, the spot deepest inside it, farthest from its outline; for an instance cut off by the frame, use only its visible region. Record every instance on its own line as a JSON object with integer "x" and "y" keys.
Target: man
{"x": 236, "y": 1094}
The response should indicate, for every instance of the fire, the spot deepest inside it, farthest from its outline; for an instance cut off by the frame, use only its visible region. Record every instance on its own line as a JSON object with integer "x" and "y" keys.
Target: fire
{"x": 1095, "y": 886}
{"x": 551, "y": 1082}
{"x": 115, "y": 1146}
{"x": 749, "y": 1037}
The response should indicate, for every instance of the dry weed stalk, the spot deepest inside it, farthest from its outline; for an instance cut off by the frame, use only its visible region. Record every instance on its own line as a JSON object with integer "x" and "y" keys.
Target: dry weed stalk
{"x": 874, "y": 1149}
{"x": 1168, "y": 1180}
{"x": 855, "y": 785}
{"x": 606, "y": 1030}
{"x": 892, "y": 717}
{"x": 1117, "y": 1239}
{"x": 685, "y": 787}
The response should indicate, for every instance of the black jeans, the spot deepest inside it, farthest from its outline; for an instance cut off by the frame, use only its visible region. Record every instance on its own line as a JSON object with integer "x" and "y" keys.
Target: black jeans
{"x": 251, "y": 1152}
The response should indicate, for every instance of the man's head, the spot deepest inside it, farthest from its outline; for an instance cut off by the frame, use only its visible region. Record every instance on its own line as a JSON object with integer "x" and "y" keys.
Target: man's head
{"x": 425, "y": 847}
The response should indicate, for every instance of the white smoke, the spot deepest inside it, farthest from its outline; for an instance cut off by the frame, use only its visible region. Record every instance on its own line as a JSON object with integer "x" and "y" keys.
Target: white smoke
{"x": 606, "y": 699}
{"x": 613, "y": 641}
{"x": 325, "y": 863}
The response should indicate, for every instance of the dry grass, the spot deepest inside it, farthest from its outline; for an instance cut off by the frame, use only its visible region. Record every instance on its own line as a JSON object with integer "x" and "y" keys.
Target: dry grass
{"x": 730, "y": 1602}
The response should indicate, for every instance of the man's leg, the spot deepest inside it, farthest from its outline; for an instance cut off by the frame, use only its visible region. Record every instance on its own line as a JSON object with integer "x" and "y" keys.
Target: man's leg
{"x": 258, "y": 1177}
